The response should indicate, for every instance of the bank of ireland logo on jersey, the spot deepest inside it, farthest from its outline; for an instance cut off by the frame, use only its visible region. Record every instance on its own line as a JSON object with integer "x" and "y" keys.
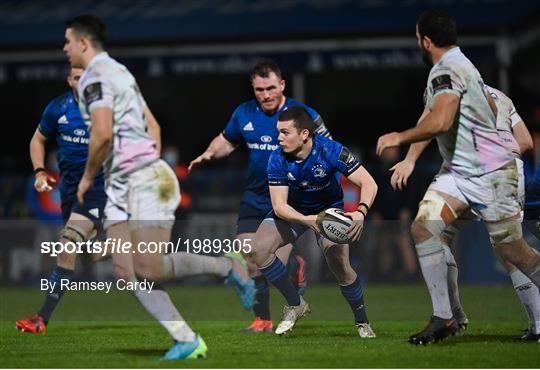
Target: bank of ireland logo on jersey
{"x": 248, "y": 126}
{"x": 266, "y": 138}
{"x": 79, "y": 132}
{"x": 318, "y": 170}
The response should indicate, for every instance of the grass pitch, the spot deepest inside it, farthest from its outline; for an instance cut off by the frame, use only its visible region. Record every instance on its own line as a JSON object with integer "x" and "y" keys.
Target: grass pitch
{"x": 92, "y": 330}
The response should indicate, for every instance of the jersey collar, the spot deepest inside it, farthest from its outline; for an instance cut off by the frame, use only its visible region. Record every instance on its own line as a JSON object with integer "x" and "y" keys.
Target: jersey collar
{"x": 97, "y": 58}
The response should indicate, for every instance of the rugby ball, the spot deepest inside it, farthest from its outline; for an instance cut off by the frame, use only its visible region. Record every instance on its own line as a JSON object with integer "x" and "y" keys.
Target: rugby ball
{"x": 334, "y": 224}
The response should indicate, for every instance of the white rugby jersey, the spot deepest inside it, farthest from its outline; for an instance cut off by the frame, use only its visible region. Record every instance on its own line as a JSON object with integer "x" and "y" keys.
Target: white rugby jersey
{"x": 472, "y": 146}
{"x": 107, "y": 83}
{"x": 507, "y": 119}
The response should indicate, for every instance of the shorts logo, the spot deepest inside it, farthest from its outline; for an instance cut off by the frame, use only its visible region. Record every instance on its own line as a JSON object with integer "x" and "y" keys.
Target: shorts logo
{"x": 79, "y": 132}
{"x": 266, "y": 138}
{"x": 93, "y": 93}
{"x": 94, "y": 212}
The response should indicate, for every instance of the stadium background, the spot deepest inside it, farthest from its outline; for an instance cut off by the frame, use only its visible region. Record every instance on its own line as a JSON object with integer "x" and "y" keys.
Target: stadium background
{"x": 356, "y": 62}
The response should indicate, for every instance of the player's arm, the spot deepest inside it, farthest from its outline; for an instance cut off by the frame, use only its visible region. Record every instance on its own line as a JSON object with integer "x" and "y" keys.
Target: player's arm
{"x": 402, "y": 170}
{"x": 439, "y": 120}
{"x": 523, "y": 137}
{"x": 219, "y": 147}
{"x": 282, "y": 209}
{"x": 101, "y": 136}
{"x": 37, "y": 156}
{"x": 363, "y": 179}
{"x": 154, "y": 129}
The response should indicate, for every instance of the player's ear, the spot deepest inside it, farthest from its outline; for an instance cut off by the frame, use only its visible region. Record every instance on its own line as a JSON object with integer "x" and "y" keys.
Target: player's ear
{"x": 282, "y": 85}
{"x": 426, "y": 42}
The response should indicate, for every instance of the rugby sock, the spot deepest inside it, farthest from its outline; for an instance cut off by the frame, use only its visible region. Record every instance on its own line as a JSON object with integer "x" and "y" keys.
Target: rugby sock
{"x": 453, "y": 290}
{"x": 435, "y": 271}
{"x": 261, "y": 308}
{"x": 158, "y": 304}
{"x": 530, "y": 298}
{"x": 277, "y": 274}
{"x": 51, "y": 300}
{"x": 355, "y": 296}
{"x": 182, "y": 264}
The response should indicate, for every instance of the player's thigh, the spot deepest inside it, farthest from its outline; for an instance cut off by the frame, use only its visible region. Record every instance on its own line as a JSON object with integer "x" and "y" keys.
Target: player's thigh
{"x": 450, "y": 233}
{"x": 154, "y": 195}
{"x": 494, "y": 196}
{"x": 123, "y": 262}
{"x": 440, "y": 206}
{"x": 271, "y": 235}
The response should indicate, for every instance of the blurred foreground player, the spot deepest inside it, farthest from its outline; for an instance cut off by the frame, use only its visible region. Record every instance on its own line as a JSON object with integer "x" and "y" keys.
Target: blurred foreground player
{"x": 517, "y": 138}
{"x": 142, "y": 190}
{"x": 303, "y": 182}
{"x": 478, "y": 171}
{"x": 62, "y": 121}
{"x": 254, "y": 123}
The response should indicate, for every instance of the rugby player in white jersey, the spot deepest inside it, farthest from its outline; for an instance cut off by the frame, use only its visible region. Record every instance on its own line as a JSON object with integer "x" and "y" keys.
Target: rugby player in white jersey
{"x": 142, "y": 190}
{"x": 517, "y": 138}
{"x": 478, "y": 171}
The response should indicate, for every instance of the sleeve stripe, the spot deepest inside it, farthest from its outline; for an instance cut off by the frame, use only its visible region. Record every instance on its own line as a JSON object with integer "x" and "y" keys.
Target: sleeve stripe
{"x": 353, "y": 168}
{"x": 228, "y": 138}
{"x": 278, "y": 182}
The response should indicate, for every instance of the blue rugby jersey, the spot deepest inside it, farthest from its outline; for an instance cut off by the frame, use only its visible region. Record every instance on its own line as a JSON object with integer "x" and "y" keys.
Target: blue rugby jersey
{"x": 313, "y": 184}
{"x": 63, "y": 122}
{"x": 258, "y": 130}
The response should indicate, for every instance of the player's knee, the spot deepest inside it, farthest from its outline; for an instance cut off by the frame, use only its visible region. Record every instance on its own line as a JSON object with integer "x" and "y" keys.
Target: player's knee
{"x": 505, "y": 232}
{"x": 516, "y": 254}
{"x": 122, "y": 272}
{"x": 66, "y": 260}
{"x": 253, "y": 269}
{"x": 433, "y": 216}
{"x": 149, "y": 270}
{"x": 419, "y": 232}
{"x": 76, "y": 234}
{"x": 261, "y": 249}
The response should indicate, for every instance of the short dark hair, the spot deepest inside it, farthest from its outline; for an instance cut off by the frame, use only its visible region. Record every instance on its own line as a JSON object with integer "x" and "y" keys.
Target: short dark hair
{"x": 439, "y": 26}
{"x": 263, "y": 68}
{"x": 90, "y": 26}
{"x": 300, "y": 117}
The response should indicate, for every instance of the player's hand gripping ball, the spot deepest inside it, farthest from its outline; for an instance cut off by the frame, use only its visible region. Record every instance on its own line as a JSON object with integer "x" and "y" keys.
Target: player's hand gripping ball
{"x": 334, "y": 224}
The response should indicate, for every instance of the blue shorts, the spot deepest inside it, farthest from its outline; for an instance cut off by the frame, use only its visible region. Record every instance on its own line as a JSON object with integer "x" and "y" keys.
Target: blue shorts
{"x": 92, "y": 208}
{"x": 249, "y": 218}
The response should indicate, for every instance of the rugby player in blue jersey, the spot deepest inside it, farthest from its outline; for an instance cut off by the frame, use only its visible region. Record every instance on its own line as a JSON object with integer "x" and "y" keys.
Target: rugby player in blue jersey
{"x": 61, "y": 121}
{"x": 302, "y": 181}
{"x": 254, "y": 123}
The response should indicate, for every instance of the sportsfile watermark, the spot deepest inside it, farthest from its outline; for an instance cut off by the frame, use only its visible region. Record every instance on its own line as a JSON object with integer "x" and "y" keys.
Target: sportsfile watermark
{"x": 114, "y": 245}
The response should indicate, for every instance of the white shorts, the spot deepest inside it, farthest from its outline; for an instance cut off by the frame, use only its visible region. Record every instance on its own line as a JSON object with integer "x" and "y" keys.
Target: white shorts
{"x": 494, "y": 196}
{"x": 147, "y": 197}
